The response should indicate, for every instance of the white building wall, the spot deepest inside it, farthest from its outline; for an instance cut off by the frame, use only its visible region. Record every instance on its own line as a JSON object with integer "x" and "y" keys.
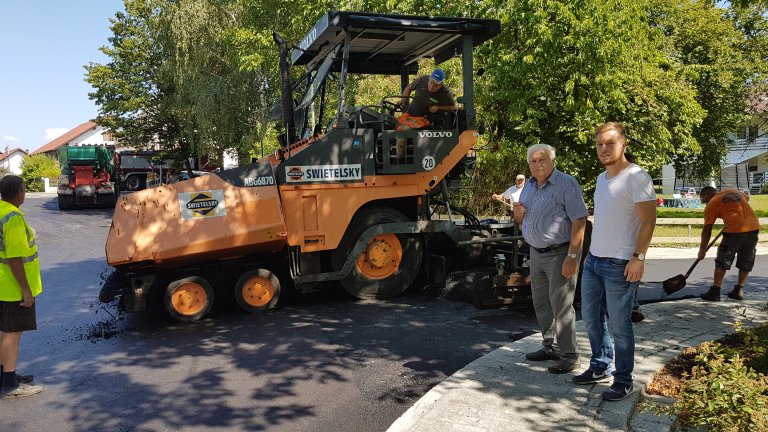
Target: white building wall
{"x": 92, "y": 137}
{"x": 14, "y": 162}
{"x": 762, "y": 163}
{"x": 667, "y": 179}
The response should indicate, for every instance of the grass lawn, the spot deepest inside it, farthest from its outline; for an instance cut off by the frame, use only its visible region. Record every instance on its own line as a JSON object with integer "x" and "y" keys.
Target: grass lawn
{"x": 682, "y": 230}
{"x": 759, "y": 204}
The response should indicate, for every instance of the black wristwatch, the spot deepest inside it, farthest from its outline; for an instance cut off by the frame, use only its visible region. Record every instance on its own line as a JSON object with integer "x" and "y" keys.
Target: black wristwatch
{"x": 640, "y": 256}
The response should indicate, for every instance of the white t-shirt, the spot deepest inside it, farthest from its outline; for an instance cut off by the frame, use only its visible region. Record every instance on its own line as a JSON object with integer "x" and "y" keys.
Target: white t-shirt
{"x": 512, "y": 194}
{"x": 616, "y": 225}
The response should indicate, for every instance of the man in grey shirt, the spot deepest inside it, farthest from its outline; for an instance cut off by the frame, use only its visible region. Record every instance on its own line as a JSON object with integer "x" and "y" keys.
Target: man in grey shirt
{"x": 553, "y": 216}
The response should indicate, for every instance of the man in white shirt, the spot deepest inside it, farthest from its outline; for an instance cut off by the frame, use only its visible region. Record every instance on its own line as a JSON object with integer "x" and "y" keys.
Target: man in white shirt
{"x": 511, "y": 195}
{"x": 625, "y": 217}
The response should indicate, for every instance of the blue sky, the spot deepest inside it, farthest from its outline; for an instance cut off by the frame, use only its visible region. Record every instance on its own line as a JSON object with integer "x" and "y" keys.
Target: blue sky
{"x": 44, "y": 45}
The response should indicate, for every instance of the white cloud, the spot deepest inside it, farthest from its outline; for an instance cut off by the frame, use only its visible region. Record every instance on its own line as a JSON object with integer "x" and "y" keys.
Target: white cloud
{"x": 8, "y": 138}
{"x": 54, "y": 133}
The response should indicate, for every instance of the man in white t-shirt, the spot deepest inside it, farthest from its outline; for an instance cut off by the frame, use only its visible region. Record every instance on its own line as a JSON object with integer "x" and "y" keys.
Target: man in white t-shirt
{"x": 511, "y": 195}
{"x": 625, "y": 216}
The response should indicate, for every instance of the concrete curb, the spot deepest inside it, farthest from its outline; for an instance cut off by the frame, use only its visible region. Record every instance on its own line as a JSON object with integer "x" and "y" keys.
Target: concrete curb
{"x": 502, "y": 391}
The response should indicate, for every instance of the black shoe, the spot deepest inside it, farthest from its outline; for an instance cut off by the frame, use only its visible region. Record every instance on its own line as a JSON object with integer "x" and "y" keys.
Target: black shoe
{"x": 563, "y": 366}
{"x": 24, "y": 379}
{"x": 637, "y": 316}
{"x": 618, "y": 392}
{"x": 737, "y": 293}
{"x": 591, "y": 377}
{"x": 712, "y": 295}
{"x": 543, "y": 354}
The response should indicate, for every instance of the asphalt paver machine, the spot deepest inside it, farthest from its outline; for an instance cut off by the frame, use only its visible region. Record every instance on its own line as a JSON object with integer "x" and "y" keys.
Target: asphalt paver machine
{"x": 336, "y": 203}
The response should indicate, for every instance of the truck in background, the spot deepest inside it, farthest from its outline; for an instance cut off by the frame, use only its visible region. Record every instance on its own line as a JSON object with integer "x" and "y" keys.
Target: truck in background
{"x": 134, "y": 167}
{"x": 87, "y": 177}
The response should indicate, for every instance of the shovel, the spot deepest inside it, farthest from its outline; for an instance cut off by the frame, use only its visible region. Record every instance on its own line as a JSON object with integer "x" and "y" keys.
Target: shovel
{"x": 676, "y": 283}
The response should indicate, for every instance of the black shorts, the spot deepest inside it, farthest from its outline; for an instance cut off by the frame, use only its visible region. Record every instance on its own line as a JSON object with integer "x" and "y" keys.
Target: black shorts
{"x": 742, "y": 246}
{"x": 16, "y": 318}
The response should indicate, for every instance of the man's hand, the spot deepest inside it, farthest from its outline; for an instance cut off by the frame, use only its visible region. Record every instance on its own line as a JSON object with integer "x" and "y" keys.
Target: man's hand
{"x": 634, "y": 270}
{"x": 702, "y": 254}
{"x": 518, "y": 209}
{"x": 570, "y": 267}
{"x": 27, "y": 299}
{"x": 434, "y": 109}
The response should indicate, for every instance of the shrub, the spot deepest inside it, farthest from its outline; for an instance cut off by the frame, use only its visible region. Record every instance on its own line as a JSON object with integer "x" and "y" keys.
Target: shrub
{"x": 35, "y": 167}
{"x": 723, "y": 392}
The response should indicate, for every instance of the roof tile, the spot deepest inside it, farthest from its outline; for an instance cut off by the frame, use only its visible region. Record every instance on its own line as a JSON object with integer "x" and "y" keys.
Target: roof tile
{"x": 67, "y": 137}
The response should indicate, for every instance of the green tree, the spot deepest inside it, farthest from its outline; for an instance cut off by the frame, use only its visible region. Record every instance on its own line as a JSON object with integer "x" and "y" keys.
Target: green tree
{"x": 560, "y": 68}
{"x": 35, "y": 167}
{"x": 135, "y": 90}
{"x": 719, "y": 58}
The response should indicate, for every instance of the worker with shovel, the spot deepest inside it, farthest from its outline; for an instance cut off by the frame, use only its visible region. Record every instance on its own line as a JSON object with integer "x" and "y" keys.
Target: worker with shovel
{"x": 739, "y": 237}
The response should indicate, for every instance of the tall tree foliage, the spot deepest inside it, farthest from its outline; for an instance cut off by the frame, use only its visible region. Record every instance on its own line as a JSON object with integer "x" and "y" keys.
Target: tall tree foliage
{"x": 204, "y": 73}
{"x": 560, "y": 68}
{"x": 135, "y": 90}
{"x": 719, "y": 60}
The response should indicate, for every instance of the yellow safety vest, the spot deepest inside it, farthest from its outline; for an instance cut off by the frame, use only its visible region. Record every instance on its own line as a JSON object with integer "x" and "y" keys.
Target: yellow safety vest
{"x": 17, "y": 240}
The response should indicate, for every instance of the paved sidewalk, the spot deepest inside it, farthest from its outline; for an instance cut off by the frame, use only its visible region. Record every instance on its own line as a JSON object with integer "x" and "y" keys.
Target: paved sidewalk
{"x": 502, "y": 391}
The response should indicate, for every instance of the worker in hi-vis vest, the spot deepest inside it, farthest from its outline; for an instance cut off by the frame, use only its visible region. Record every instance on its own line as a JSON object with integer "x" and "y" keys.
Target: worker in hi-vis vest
{"x": 20, "y": 283}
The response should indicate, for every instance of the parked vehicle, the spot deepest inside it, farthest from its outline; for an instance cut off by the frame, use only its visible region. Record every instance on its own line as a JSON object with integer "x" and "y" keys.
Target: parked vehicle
{"x": 135, "y": 165}
{"x": 184, "y": 174}
{"x": 335, "y": 203}
{"x": 87, "y": 177}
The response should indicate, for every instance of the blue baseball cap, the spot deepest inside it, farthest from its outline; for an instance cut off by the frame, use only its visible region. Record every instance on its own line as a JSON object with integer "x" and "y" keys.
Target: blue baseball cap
{"x": 438, "y": 76}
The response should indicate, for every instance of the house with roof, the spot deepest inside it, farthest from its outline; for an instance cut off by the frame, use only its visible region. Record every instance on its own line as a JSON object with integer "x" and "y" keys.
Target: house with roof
{"x": 746, "y": 163}
{"x": 88, "y": 133}
{"x": 11, "y": 160}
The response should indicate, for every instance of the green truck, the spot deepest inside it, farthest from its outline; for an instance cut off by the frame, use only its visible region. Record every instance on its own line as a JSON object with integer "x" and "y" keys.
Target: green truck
{"x": 87, "y": 177}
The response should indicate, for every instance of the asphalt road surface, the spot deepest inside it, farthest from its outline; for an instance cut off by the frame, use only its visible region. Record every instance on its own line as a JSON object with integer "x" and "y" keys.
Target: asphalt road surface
{"x": 318, "y": 363}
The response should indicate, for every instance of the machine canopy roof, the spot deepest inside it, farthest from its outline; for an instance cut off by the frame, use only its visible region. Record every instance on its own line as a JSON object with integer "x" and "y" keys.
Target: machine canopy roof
{"x": 387, "y": 44}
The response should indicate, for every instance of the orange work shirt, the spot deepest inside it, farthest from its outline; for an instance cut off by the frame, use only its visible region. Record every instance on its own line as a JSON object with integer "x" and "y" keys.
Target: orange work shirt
{"x": 733, "y": 208}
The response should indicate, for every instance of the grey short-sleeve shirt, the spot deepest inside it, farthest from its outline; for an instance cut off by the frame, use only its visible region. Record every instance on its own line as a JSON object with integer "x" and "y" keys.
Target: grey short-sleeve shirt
{"x": 423, "y": 99}
{"x": 550, "y": 209}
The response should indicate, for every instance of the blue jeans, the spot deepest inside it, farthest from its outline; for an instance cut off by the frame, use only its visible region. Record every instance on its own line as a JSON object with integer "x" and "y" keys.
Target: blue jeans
{"x": 606, "y": 293}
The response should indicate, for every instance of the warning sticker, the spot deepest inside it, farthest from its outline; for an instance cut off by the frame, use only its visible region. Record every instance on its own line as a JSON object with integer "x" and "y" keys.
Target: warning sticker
{"x": 204, "y": 204}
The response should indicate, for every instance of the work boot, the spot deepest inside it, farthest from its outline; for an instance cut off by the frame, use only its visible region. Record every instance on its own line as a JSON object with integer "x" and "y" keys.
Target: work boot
{"x": 737, "y": 293}
{"x": 712, "y": 295}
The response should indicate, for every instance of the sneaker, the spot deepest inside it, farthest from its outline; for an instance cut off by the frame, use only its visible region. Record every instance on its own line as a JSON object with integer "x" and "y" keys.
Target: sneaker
{"x": 21, "y": 391}
{"x": 591, "y": 377}
{"x": 637, "y": 316}
{"x": 737, "y": 293}
{"x": 618, "y": 391}
{"x": 712, "y": 295}
{"x": 545, "y": 353}
{"x": 563, "y": 366}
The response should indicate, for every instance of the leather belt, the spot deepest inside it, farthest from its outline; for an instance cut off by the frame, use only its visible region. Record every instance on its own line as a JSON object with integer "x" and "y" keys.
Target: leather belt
{"x": 550, "y": 248}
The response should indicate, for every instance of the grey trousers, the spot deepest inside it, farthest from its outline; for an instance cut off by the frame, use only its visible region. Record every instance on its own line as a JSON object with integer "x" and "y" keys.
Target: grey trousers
{"x": 552, "y": 297}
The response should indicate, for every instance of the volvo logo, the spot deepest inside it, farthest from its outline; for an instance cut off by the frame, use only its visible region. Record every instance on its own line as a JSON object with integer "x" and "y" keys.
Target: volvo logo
{"x": 429, "y": 134}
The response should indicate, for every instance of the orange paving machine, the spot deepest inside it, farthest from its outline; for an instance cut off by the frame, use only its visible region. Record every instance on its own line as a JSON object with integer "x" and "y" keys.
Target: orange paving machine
{"x": 337, "y": 202}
